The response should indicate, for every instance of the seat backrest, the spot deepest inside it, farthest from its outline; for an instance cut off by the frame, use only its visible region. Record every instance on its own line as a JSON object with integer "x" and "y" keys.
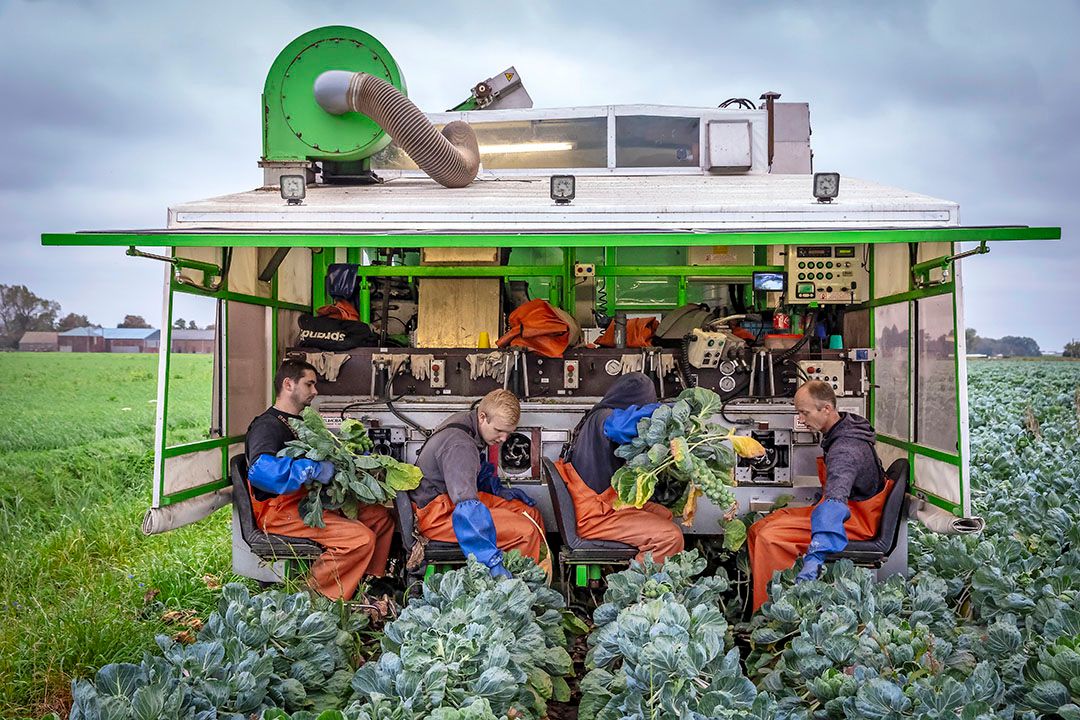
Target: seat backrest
{"x": 406, "y": 519}
{"x": 563, "y": 504}
{"x": 241, "y": 497}
{"x": 892, "y": 514}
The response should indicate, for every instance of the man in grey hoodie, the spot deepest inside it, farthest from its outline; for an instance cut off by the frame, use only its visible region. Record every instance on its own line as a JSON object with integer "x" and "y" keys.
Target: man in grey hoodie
{"x": 852, "y": 496}
{"x": 853, "y": 470}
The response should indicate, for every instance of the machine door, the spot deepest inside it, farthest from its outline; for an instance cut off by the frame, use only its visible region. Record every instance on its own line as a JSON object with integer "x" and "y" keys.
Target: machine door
{"x": 211, "y": 385}
{"x": 920, "y": 382}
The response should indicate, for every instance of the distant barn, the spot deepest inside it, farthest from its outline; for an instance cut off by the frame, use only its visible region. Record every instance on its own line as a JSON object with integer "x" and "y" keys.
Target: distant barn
{"x": 116, "y": 340}
{"x": 35, "y": 341}
{"x": 193, "y": 341}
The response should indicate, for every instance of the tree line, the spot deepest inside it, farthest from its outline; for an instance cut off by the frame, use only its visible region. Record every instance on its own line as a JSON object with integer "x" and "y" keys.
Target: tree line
{"x": 22, "y": 311}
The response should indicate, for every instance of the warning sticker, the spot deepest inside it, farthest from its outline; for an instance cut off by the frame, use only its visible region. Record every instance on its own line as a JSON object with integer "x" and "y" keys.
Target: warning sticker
{"x": 508, "y": 76}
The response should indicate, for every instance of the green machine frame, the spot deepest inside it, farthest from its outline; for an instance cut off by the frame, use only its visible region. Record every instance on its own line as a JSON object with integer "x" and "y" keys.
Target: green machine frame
{"x": 560, "y": 278}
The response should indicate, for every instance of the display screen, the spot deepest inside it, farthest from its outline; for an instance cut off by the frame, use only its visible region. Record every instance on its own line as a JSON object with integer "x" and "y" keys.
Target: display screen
{"x": 847, "y": 251}
{"x": 815, "y": 251}
{"x": 769, "y": 281}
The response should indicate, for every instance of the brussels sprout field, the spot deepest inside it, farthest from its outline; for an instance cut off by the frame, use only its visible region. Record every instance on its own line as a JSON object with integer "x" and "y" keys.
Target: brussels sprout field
{"x": 986, "y": 626}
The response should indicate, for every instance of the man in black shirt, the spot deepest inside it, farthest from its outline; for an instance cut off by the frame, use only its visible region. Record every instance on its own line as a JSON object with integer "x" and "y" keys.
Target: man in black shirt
{"x": 353, "y": 547}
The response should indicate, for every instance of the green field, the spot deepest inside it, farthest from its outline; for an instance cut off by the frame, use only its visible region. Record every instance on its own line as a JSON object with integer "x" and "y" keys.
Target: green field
{"x": 81, "y": 587}
{"x": 75, "y": 458}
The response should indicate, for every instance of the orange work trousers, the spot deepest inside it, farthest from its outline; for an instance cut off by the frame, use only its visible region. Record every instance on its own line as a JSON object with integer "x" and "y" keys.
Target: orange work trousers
{"x": 651, "y": 529}
{"x": 513, "y": 531}
{"x": 354, "y": 548}
{"x": 778, "y": 539}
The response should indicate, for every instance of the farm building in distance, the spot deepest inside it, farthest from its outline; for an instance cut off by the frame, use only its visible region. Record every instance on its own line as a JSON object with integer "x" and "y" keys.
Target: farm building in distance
{"x": 117, "y": 340}
{"x": 193, "y": 341}
{"x": 35, "y": 341}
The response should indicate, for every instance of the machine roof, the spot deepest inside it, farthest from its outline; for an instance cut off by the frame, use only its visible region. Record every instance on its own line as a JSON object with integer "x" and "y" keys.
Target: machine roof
{"x": 603, "y": 204}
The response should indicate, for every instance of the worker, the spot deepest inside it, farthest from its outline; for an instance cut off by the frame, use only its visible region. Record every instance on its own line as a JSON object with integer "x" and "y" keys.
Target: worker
{"x": 461, "y": 499}
{"x": 851, "y": 501}
{"x": 353, "y": 548}
{"x": 590, "y": 462}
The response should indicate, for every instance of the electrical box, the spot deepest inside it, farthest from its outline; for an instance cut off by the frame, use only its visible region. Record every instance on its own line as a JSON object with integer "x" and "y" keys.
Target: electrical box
{"x": 827, "y": 275}
{"x": 705, "y": 348}
{"x": 828, "y": 371}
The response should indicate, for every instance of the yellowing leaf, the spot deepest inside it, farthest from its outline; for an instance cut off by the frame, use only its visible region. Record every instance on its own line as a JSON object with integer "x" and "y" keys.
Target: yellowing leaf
{"x": 746, "y": 446}
{"x": 690, "y": 508}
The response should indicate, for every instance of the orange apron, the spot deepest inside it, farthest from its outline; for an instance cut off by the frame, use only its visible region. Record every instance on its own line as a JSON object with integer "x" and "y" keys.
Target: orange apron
{"x": 353, "y": 548}
{"x": 650, "y": 529}
{"x": 778, "y": 539}
{"x": 517, "y": 526}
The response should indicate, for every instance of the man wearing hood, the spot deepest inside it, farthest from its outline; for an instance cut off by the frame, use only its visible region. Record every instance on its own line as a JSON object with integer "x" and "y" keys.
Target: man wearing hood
{"x": 591, "y": 461}
{"x": 854, "y": 493}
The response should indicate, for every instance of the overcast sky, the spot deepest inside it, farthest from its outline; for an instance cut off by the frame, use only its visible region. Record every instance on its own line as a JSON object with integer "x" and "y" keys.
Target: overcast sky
{"x": 112, "y": 111}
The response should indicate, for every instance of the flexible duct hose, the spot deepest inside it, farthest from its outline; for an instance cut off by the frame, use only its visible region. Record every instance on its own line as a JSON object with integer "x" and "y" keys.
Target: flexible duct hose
{"x": 450, "y": 158}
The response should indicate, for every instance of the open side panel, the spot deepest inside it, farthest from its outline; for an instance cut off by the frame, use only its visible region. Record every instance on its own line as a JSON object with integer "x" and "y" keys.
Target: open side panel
{"x": 254, "y": 322}
{"x": 919, "y": 404}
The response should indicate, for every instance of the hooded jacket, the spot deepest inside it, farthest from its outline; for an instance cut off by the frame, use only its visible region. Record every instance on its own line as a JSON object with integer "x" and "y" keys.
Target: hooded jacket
{"x": 854, "y": 470}
{"x": 592, "y": 452}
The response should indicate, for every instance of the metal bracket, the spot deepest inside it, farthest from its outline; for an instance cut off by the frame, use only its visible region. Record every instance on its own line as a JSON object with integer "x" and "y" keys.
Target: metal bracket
{"x": 209, "y": 270}
{"x": 920, "y": 273}
{"x": 273, "y": 264}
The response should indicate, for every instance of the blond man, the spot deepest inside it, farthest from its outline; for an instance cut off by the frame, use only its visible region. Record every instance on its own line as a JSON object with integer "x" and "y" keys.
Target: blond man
{"x": 460, "y": 498}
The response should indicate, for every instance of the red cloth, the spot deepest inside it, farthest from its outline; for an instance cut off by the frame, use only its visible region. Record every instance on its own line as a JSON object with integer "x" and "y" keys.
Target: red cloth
{"x": 650, "y": 529}
{"x": 341, "y": 309}
{"x": 538, "y": 326}
{"x": 639, "y": 333}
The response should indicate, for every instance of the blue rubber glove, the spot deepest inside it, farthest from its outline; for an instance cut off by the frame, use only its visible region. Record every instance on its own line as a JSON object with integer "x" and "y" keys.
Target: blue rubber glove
{"x": 827, "y": 535}
{"x": 475, "y": 531}
{"x": 621, "y": 425}
{"x": 811, "y": 567}
{"x": 325, "y": 472}
{"x": 488, "y": 481}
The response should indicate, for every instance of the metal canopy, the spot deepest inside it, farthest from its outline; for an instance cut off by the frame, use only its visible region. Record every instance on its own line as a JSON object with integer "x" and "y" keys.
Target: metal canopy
{"x": 346, "y": 239}
{"x": 611, "y": 211}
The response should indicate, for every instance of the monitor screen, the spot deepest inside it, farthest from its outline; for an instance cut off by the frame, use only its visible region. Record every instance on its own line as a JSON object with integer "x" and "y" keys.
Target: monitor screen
{"x": 769, "y": 281}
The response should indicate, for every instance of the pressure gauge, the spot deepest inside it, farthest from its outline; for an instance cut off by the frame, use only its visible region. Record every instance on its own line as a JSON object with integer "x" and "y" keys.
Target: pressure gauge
{"x": 826, "y": 186}
{"x": 562, "y": 188}
{"x": 293, "y": 189}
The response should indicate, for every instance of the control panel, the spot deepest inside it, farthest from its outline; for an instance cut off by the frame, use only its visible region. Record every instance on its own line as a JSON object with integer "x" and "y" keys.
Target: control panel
{"x": 827, "y": 274}
{"x": 705, "y": 348}
{"x": 828, "y": 371}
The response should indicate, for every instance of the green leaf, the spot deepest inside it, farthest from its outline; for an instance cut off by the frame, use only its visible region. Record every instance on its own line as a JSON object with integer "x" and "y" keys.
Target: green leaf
{"x": 734, "y": 534}
{"x": 400, "y": 476}
{"x": 633, "y": 485}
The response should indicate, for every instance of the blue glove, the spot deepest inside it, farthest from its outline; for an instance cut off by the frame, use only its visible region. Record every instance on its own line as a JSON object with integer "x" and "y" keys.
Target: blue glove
{"x": 621, "y": 425}
{"x": 475, "y": 531}
{"x": 827, "y": 535}
{"x": 810, "y": 568}
{"x": 488, "y": 481}
{"x": 325, "y": 472}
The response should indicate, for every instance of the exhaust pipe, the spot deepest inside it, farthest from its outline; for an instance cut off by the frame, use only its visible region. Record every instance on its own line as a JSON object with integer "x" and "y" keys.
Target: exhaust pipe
{"x": 451, "y": 158}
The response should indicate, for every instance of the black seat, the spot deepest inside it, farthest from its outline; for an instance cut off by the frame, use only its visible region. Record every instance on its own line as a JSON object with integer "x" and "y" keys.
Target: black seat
{"x": 435, "y": 552}
{"x": 576, "y": 549}
{"x": 874, "y": 552}
{"x": 264, "y": 545}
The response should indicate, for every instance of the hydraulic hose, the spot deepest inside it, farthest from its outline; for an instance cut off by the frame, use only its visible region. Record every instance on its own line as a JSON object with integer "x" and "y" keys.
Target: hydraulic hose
{"x": 451, "y": 158}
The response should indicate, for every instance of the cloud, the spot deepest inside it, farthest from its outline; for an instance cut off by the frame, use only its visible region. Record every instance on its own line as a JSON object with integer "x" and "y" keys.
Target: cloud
{"x": 115, "y": 111}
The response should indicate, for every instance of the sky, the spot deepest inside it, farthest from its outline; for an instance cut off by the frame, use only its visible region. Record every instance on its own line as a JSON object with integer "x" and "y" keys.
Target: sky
{"x": 112, "y": 111}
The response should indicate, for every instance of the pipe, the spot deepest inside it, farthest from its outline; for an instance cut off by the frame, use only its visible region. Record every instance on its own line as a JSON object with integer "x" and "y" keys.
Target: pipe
{"x": 451, "y": 158}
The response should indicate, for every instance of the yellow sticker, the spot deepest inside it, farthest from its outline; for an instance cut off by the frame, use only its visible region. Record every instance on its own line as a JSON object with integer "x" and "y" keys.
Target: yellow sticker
{"x": 508, "y": 76}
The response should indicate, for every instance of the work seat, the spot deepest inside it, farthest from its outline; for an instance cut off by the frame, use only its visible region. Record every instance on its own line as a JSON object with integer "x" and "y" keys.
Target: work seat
{"x": 576, "y": 550}
{"x": 435, "y": 552}
{"x": 266, "y": 546}
{"x": 875, "y": 551}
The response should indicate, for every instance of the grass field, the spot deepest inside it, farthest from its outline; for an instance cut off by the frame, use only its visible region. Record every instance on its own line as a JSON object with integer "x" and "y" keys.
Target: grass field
{"x": 75, "y": 458}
